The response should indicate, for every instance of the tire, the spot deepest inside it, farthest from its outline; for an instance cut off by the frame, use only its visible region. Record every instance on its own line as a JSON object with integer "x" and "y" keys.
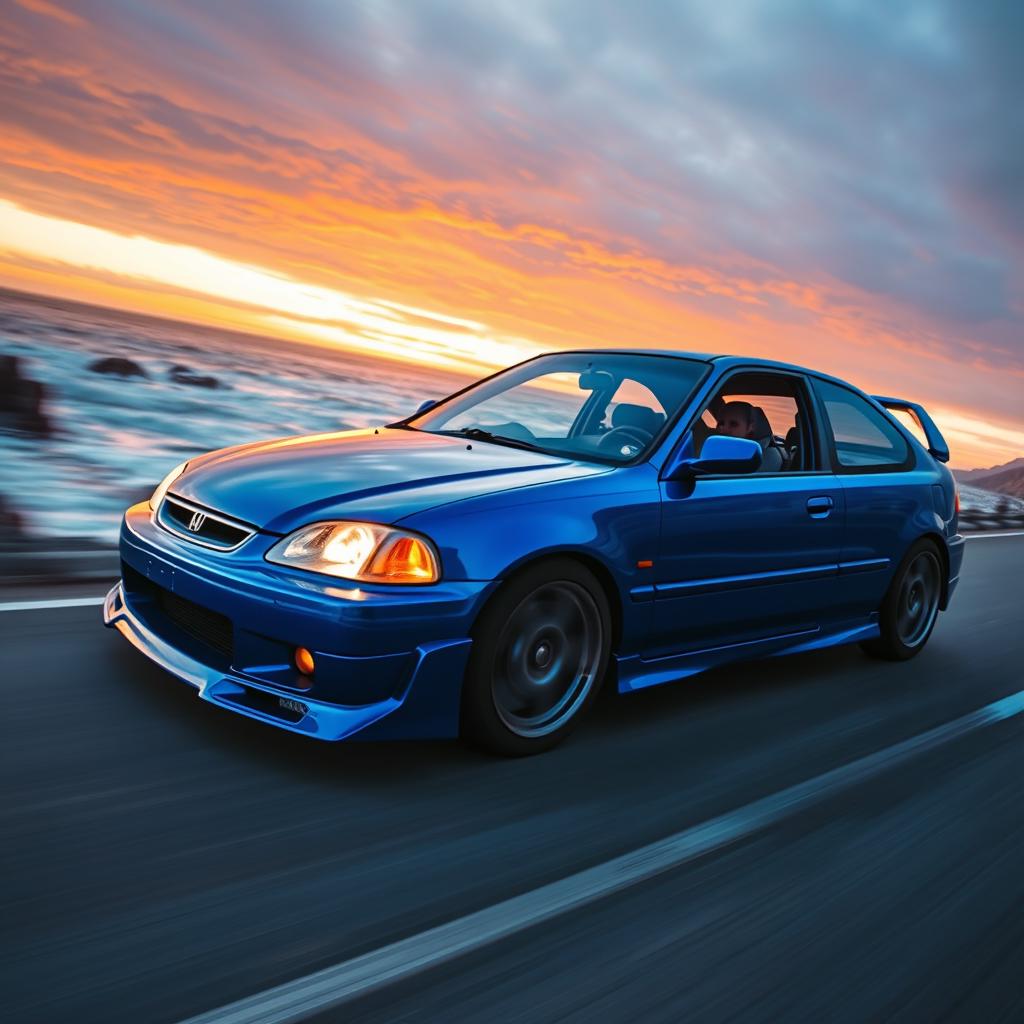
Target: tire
{"x": 540, "y": 652}
{"x": 910, "y": 606}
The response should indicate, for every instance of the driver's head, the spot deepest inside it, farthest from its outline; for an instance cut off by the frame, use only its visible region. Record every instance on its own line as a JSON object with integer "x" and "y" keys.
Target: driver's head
{"x": 735, "y": 419}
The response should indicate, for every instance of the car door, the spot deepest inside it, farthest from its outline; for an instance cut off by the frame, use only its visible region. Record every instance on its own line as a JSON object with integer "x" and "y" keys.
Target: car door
{"x": 749, "y": 557}
{"x": 889, "y": 498}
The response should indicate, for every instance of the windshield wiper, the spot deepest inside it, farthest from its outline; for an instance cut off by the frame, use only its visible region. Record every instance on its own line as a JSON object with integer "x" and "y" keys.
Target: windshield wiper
{"x": 479, "y": 434}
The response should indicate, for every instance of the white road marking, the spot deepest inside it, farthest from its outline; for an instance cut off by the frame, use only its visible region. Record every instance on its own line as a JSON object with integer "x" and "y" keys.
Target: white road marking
{"x": 59, "y": 602}
{"x": 993, "y": 536}
{"x": 328, "y": 988}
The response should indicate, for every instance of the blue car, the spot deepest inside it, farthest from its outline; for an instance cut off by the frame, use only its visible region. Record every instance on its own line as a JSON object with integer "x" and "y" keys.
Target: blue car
{"x": 482, "y": 568}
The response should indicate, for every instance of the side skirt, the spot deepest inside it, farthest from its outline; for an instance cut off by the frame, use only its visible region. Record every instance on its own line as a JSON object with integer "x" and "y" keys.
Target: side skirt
{"x": 636, "y": 673}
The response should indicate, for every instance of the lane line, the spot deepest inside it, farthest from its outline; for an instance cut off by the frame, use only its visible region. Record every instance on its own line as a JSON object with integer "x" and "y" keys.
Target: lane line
{"x": 993, "y": 536}
{"x": 59, "y": 602}
{"x": 331, "y": 987}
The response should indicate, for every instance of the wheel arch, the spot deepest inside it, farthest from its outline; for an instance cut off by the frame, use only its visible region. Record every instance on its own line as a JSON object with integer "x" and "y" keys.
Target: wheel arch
{"x": 595, "y": 566}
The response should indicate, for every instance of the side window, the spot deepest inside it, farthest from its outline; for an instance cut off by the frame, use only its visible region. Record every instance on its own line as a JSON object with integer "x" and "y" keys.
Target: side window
{"x": 865, "y": 440}
{"x": 769, "y": 408}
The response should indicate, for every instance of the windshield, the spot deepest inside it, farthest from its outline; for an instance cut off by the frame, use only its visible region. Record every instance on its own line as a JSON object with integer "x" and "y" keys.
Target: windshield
{"x": 588, "y": 405}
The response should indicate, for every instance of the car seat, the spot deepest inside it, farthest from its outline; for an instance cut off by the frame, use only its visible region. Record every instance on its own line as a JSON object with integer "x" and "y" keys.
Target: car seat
{"x": 773, "y": 457}
{"x": 793, "y": 448}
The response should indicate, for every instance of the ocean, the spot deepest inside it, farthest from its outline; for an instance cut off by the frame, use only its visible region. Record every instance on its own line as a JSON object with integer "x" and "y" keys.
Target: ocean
{"x": 113, "y": 437}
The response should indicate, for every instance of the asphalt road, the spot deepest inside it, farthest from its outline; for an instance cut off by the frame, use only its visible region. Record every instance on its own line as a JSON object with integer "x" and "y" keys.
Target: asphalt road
{"x": 162, "y": 858}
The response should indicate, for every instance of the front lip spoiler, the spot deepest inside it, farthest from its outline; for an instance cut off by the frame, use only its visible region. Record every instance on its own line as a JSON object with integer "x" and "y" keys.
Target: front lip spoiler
{"x": 227, "y": 689}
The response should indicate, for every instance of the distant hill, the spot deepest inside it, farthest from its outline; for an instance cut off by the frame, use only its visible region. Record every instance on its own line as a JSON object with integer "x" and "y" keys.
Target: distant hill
{"x": 1006, "y": 481}
{"x": 972, "y": 476}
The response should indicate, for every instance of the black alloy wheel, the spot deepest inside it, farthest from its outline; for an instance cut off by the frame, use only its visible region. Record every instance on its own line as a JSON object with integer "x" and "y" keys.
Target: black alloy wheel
{"x": 540, "y": 651}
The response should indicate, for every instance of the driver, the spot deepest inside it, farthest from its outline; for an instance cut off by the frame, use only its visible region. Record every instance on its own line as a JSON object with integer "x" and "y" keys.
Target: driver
{"x": 736, "y": 419}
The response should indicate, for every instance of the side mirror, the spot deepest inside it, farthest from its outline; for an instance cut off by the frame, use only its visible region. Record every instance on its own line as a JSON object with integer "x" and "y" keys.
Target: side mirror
{"x": 720, "y": 454}
{"x": 424, "y": 406}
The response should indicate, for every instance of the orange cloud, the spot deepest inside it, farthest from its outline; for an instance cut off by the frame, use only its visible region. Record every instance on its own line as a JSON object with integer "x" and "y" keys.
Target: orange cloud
{"x": 332, "y": 199}
{"x": 51, "y": 10}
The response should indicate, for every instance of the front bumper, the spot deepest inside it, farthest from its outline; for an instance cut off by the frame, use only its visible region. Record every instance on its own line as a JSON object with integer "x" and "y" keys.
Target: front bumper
{"x": 390, "y": 660}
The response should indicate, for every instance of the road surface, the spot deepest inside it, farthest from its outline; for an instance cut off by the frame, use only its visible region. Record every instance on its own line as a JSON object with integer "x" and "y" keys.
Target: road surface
{"x": 163, "y": 858}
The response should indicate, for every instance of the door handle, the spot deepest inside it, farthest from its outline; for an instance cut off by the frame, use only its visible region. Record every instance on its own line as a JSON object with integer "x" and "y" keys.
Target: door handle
{"x": 820, "y": 507}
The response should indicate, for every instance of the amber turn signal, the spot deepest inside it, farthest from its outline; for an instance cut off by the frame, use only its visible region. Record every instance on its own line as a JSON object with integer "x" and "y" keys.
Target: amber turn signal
{"x": 406, "y": 560}
{"x": 304, "y": 661}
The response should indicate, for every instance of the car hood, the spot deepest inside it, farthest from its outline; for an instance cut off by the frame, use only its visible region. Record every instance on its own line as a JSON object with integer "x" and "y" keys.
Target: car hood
{"x": 377, "y": 475}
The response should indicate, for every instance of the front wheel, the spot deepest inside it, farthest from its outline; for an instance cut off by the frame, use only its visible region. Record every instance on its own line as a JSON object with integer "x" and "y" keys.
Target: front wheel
{"x": 540, "y": 651}
{"x": 910, "y": 606}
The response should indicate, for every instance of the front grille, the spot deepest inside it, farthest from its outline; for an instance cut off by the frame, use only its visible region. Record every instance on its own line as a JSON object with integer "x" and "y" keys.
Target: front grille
{"x": 210, "y": 628}
{"x": 201, "y": 526}
{"x": 158, "y": 605}
{"x": 134, "y": 582}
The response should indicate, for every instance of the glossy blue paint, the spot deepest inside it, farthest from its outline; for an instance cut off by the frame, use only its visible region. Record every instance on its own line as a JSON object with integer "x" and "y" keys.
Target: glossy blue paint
{"x": 742, "y": 564}
{"x": 719, "y": 455}
{"x": 374, "y": 475}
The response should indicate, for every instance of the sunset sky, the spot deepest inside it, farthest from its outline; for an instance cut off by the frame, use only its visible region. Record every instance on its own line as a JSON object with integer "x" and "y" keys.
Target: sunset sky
{"x": 834, "y": 183}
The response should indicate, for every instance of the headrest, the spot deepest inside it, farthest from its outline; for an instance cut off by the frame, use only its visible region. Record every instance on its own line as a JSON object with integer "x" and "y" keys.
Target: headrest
{"x": 639, "y": 416}
{"x": 759, "y": 426}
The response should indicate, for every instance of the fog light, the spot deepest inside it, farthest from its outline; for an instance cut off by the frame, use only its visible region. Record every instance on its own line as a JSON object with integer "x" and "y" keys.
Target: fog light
{"x": 304, "y": 661}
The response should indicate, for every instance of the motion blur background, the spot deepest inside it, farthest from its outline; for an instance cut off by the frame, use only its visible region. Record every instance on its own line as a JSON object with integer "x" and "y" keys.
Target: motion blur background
{"x": 336, "y": 210}
{"x": 235, "y": 220}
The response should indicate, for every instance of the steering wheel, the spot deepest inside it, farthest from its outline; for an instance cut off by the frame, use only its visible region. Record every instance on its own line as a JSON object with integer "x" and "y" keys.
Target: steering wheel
{"x": 513, "y": 428}
{"x": 630, "y": 440}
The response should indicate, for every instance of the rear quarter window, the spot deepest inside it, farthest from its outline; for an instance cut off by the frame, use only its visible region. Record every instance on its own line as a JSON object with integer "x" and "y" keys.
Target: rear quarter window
{"x": 864, "y": 439}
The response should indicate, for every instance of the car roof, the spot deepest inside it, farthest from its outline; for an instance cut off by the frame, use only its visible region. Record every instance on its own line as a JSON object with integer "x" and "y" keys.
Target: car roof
{"x": 722, "y": 360}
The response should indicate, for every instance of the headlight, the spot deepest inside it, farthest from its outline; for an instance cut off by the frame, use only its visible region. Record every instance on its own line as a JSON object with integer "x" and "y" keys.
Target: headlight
{"x": 359, "y": 551}
{"x": 161, "y": 488}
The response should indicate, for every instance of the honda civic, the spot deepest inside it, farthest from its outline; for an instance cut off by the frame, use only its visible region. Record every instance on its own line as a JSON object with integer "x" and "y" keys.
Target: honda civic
{"x": 482, "y": 568}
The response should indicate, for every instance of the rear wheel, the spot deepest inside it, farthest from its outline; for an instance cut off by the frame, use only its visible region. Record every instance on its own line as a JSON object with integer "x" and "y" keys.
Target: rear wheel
{"x": 540, "y": 651}
{"x": 910, "y": 606}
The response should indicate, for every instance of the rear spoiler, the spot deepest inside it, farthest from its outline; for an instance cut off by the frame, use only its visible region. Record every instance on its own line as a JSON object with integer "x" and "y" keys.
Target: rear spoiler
{"x": 937, "y": 446}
